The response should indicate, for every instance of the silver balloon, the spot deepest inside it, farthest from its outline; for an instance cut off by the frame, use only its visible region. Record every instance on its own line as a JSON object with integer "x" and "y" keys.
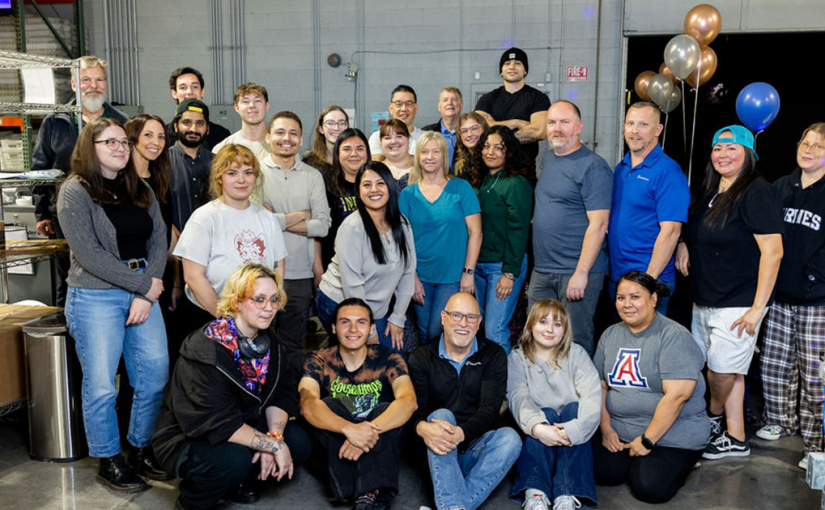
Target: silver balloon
{"x": 673, "y": 101}
{"x": 682, "y": 55}
{"x": 659, "y": 89}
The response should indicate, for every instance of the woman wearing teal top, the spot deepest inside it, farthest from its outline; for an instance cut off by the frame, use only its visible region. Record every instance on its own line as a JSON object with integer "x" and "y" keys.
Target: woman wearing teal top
{"x": 446, "y": 223}
{"x": 506, "y": 199}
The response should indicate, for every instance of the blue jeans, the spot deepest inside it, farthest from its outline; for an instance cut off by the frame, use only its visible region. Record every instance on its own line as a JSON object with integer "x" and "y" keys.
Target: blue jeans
{"x": 497, "y": 314}
{"x": 463, "y": 479}
{"x": 325, "y": 307}
{"x": 661, "y": 303}
{"x": 436, "y": 296}
{"x": 556, "y": 470}
{"x": 97, "y": 320}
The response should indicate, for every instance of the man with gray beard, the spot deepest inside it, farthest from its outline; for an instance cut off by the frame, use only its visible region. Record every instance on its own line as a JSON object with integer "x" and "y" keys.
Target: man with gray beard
{"x": 55, "y": 143}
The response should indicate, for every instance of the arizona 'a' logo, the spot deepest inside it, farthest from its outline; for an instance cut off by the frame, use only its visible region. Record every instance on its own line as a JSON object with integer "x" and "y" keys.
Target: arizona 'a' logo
{"x": 626, "y": 370}
{"x": 250, "y": 247}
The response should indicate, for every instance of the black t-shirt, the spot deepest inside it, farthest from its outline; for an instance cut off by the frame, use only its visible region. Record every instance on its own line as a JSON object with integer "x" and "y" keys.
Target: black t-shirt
{"x": 724, "y": 261}
{"x": 339, "y": 208}
{"x": 165, "y": 204}
{"x": 132, "y": 223}
{"x": 502, "y": 105}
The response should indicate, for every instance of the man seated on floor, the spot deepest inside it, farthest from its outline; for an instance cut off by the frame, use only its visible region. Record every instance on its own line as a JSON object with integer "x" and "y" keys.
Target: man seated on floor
{"x": 461, "y": 381}
{"x": 357, "y": 396}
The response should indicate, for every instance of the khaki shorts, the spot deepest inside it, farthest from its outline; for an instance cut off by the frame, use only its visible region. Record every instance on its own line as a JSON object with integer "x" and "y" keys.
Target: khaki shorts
{"x": 724, "y": 352}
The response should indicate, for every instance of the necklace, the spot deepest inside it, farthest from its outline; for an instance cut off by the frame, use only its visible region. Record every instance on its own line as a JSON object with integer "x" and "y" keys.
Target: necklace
{"x": 498, "y": 176}
{"x": 710, "y": 204}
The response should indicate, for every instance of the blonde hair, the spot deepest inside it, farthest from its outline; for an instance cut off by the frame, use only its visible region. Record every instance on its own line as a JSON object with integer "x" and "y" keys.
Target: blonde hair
{"x": 816, "y": 127}
{"x": 416, "y": 174}
{"x": 540, "y": 310}
{"x": 231, "y": 155}
{"x": 240, "y": 286}
{"x": 92, "y": 61}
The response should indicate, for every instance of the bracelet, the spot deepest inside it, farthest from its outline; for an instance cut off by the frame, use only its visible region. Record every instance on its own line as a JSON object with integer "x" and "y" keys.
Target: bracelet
{"x": 276, "y": 435}
{"x": 509, "y": 276}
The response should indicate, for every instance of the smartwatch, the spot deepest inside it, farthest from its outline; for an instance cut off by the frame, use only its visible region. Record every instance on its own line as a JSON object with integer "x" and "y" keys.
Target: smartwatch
{"x": 468, "y": 270}
{"x": 647, "y": 443}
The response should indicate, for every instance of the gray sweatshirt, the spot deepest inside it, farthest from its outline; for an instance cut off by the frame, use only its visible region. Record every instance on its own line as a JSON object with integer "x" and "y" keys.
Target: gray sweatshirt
{"x": 532, "y": 387}
{"x": 92, "y": 239}
{"x": 354, "y": 272}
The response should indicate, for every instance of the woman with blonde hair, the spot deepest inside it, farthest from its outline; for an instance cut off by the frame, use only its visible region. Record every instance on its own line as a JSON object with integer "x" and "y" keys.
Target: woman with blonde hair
{"x": 331, "y": 122}
{"x": 230, "y": 399}
{"x": 228, "y": 231}
{"x": 446, "y": 223}
{"x": 555, "y": 396}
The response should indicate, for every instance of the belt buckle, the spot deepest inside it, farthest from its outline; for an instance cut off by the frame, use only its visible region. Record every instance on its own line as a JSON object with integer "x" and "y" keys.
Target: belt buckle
{"x": 134, "y": 264}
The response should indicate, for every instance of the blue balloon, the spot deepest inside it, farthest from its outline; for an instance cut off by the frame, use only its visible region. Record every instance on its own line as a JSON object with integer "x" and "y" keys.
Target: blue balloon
{"x": 757, "y": 105}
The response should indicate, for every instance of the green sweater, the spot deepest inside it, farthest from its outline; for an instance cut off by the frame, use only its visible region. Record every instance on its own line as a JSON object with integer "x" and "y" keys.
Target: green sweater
{"x": 506, "y": 211}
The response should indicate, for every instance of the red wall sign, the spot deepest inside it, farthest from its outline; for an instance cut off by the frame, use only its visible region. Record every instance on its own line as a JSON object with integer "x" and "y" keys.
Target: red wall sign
{"x": 576, "y": 73}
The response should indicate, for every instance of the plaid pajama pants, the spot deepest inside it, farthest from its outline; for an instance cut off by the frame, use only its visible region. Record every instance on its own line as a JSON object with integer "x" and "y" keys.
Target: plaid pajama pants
{"x": 794, "y": 338}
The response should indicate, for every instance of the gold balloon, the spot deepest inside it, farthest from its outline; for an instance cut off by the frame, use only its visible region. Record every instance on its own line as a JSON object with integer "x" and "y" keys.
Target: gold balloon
{"x": 703, "y": 23}
{"x": 642, "y": 81}
{"x": 664, "y": 70}
{"x": 707, "y": 65}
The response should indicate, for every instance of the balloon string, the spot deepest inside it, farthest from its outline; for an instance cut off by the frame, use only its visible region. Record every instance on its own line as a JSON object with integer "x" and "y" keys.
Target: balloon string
{"x": 693, "y": 129}
{"x": 684, "y": 118}
{"x": 755, "y": 137}
{"x": 664, "y": 132}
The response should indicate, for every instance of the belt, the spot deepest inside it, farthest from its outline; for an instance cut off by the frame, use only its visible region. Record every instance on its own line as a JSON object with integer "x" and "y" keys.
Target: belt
{"x": 135, "y": 264}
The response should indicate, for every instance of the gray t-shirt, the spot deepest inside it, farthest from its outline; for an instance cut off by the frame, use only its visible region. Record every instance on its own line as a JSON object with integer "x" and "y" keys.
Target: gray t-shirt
{"x": 569, "y": 186}
{"x": 634, "y": 364}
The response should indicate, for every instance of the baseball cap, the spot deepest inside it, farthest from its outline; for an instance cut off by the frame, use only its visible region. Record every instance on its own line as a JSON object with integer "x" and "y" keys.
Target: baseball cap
{"x": 192, "y": 105}
{"x": 514, "y": 54}
{"x": 741, "y": 135}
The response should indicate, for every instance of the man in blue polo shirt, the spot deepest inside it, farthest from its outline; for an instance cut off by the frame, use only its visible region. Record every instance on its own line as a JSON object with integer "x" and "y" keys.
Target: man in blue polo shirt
{"x": 650, "y": 202}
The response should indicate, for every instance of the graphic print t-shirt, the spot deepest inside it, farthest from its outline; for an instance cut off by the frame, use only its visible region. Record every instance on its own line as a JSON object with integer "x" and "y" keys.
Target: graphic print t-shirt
{"x": 222, "y": 238}
{"x": 362, "y": 390}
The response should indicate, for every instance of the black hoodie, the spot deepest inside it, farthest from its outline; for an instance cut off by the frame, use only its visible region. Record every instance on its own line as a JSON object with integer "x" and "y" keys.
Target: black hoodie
{"x": 801, "y": 278}
{"x": 206, "y": 399}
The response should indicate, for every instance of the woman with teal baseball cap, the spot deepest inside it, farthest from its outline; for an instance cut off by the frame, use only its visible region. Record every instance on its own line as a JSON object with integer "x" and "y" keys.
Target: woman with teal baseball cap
{"x": 732, "y": 249}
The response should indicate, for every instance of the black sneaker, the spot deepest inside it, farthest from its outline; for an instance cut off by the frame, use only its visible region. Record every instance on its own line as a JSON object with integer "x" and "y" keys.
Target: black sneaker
{"x": 245, "y": 494}
{"x": 116, "y": 474}
{"x": 368, "y": 501}
{"x": 143, "y": 461}
{"x": 717, "y": 426}
{"x": 726, "y": 446}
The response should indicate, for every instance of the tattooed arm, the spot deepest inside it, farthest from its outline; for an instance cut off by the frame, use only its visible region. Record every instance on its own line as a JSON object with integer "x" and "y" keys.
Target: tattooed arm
{"x": 274, "y": 454}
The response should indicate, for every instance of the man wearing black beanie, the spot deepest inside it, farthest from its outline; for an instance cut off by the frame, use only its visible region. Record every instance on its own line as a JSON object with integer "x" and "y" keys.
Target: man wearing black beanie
{"x": 517, "y": 105}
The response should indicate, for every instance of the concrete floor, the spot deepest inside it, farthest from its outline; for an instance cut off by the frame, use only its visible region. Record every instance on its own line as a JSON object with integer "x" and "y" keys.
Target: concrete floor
{"x": 768, "y": 479}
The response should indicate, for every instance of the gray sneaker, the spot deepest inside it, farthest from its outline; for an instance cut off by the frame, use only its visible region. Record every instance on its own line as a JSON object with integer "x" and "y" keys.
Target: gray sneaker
{"x": 536, "y": 502}
{"x": 566, "y": 502}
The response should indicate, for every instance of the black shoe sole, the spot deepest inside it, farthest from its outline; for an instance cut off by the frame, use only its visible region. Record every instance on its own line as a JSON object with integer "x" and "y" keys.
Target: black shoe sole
{"x": 132, "y": 489}
{"x": 158, "y": 477}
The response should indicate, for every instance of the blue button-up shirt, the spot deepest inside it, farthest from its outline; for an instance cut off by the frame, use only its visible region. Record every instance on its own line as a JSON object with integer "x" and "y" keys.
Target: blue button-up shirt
{"x": 450, "y": 137}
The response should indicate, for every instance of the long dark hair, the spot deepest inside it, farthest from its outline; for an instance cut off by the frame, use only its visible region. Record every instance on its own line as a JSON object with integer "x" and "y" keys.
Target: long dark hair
{"x": 336, "y": 176}
{"x": 159, "y": 168}
{"x": 514, "y": 163}
{"x": 723, "y": 204}
{"x": 393, "y": 214}
{"x": 86, "y": 167}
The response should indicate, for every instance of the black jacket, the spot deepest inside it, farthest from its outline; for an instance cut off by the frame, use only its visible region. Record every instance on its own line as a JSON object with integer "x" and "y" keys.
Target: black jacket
{"x": 53, "y": 149}
{"x": 206, "y": 399}
{"x": 801, "y": 279}
{"x": 474, "y": 397}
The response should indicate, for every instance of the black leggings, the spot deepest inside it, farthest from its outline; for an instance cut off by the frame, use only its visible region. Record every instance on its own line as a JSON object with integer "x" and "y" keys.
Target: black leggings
{"x": 654, "y": 478}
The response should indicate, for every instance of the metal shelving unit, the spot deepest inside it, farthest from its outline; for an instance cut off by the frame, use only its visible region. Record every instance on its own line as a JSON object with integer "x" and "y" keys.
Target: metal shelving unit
{"x": 14, "y": 60}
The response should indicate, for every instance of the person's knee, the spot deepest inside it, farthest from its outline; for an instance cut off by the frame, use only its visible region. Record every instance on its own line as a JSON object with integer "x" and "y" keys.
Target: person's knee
{"x": 651, "y": 492}
{"x": 443, "y": 415}
{"x": 551, "y": 415}
{"x": 509, "y": 442}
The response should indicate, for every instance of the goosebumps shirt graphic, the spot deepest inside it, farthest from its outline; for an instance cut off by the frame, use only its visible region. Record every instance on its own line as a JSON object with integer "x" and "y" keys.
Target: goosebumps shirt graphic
{"x": 251, "y": 247}
{"x": 362, "y": 390}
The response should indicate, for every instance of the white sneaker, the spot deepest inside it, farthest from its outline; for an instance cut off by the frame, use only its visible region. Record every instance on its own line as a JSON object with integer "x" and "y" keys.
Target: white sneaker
{"x": 804, "y": 462}
{"x": 536, "y": 502}
{"x": 771, "y": 432}
{"x": 566, "y": 503}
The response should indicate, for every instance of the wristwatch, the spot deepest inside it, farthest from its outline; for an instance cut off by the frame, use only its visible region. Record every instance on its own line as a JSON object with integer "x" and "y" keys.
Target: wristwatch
{"x": 468, "y": 270}
{"x": 647, "y": 443}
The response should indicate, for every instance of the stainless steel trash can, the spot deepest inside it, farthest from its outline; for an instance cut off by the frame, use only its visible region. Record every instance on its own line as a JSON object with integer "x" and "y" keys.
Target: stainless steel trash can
{"x": 53, "y": 379}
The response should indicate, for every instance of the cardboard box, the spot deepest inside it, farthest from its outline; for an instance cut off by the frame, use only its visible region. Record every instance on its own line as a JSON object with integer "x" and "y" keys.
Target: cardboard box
{"x": 12, "y": 354}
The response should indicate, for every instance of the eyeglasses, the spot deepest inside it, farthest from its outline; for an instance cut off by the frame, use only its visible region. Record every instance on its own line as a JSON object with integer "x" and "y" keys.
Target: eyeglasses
{"x": 260, "y": 302}
{"x": 472, "y": 318}
{"x": 341, "y": 124}
{"x": 399, "y": 104}
{"x": 474, "y": 129}
{"x": 813, "y": 147}
{"x": 113, "y": 144}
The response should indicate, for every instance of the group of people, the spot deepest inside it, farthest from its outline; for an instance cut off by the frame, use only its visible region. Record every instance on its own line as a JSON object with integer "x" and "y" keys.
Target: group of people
{"x": 200, "y": 263}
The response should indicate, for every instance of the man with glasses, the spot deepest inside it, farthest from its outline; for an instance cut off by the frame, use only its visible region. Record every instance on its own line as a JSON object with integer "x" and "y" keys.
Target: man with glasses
{"x": 403, "y": 106}
{"x": 569, "y": 223}
{"x": 450, "y": 104}
{"x": 187, "y": 83}
{"x": 296, "y": 194}
{"x": 357, "y": 397}
{"x": 517, "y": 105}
{"x": 460, "y": 381}
{"x": 53, "y": 149}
